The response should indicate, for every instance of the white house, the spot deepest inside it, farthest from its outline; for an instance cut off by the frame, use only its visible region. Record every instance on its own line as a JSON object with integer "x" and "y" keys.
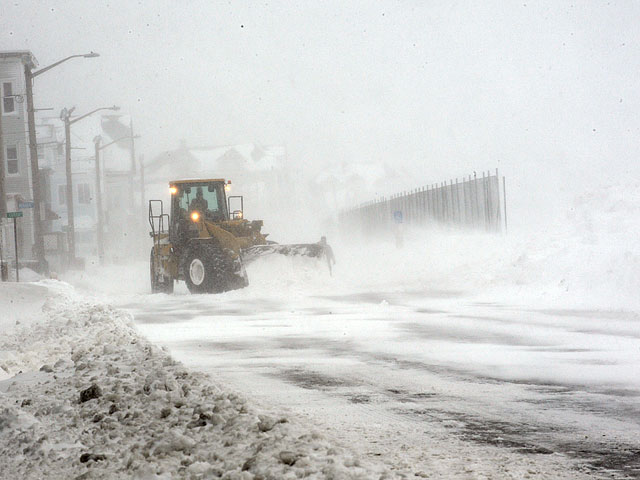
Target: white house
{"x": 16, "y": 165}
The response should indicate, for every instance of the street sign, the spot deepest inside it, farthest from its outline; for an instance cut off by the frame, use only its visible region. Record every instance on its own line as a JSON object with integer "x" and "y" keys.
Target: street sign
{"x": 25, "y": 204}
{"x": 15, "y": 216}
{"x": 397, "y": 216}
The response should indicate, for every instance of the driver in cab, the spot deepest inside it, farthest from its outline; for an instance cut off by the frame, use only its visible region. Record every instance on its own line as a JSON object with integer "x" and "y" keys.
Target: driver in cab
{"x": 199, "y": 203}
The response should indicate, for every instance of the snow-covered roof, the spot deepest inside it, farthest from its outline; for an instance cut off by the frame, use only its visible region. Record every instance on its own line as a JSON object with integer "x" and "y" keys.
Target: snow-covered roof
{"x": 222, "y": 160}
{"x": 252, "y": 157}
{"x": 370, "y": 173}
{"x": 24, "y": 55}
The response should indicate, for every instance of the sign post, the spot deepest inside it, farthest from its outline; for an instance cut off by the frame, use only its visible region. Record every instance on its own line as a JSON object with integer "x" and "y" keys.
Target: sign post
{"x": 15, "y": 216}
{"x": 398, "y": 220}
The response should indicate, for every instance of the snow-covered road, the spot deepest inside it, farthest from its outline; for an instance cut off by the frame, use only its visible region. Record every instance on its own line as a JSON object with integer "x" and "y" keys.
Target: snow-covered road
{"x": 461, "y": 355}
{"x": 430, "y": 382}
{"x": 391, "y": 372}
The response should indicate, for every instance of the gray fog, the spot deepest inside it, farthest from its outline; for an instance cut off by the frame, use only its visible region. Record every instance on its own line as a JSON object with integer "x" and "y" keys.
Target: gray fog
{"x": 544, "y": 91}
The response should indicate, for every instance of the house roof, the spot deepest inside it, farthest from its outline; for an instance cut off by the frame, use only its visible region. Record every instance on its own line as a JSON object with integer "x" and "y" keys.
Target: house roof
{"x": 368, "y": 172}
{"x": 244, "y": 157}
{"x": 197, "y": 180}
{"x": 25, "y": 55}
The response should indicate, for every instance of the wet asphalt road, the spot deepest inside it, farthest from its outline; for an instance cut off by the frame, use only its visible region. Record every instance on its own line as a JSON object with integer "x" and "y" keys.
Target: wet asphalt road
{"x": 392, "y": 371}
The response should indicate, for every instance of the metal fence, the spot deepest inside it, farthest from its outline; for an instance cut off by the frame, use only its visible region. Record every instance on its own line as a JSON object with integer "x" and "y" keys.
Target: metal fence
{"x": 476, "y": 202}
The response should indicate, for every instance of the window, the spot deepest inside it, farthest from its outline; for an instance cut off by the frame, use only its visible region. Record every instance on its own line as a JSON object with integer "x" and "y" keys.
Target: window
{"x": 62, "y": 194}
{"x": 12, "y": 161}
{"x": 8, "y": 100}
{"x": 84, "y": 194}
{"x": 202, "y": 197}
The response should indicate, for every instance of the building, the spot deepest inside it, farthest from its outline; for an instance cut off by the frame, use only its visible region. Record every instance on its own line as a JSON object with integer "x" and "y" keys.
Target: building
{"x": 52, "y": 163}
{"x": 17, "y": 167}
{"x": 115, "y": 185}
{"x": 260, "y": 173}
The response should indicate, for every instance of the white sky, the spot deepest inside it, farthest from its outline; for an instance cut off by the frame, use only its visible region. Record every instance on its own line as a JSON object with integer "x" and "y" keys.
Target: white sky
{"x": 546, "y": 91}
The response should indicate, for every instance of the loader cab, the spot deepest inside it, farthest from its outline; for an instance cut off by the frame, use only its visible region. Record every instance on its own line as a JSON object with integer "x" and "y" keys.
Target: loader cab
{"x": 201, "y": 199}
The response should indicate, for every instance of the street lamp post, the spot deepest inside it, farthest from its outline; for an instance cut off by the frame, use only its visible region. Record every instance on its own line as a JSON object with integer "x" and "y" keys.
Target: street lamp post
{"x": 100, "y": 228}
{"x": 99, "y": 217}
{"x": 65, "y": 116}
{"x": 33, "y": 153}
{"x": 3, "y": 195}
{"x": 141, "y": 160}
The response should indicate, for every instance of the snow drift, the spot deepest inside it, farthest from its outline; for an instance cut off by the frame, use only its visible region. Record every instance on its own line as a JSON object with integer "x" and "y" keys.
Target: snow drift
{"x": 89, "y": 398}
{"x": 586, "y": 257}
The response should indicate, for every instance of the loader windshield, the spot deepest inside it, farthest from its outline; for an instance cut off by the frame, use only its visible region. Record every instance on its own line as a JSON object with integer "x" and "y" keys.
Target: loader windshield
{"x": 206, "y": 198}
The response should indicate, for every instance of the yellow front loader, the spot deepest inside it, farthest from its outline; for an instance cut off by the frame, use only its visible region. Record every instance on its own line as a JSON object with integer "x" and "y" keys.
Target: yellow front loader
{"x": 204, "y": 243}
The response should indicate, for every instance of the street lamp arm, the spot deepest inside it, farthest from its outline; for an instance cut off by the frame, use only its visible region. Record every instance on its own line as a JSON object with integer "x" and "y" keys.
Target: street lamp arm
{"x": 42, "y": 70}
{"x": 118, "y": 140}
{"x": 71, "y": 122}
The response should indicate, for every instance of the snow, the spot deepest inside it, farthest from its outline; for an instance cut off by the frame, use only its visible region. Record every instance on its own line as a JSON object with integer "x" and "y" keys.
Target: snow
{"x": 153, "y": 419}
{"x": 587, "y": 256}
{"x": 26, "y": 274}
{"x": 460, "y": 355}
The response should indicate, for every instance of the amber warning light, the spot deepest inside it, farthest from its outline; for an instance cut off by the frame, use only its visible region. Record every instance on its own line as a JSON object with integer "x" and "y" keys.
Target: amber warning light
{"x": 195, "y": 216}
{"x": 173, "y": 190}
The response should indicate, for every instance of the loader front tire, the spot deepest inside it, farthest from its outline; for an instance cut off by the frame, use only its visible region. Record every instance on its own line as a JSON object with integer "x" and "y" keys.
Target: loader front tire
{"x": 159, "y": 282}
{"x": 209, "y": 269}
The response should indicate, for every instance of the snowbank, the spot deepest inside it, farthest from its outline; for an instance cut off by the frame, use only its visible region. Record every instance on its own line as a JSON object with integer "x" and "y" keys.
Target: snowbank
{"x": 26, "y": 274}
{"x": 95, "y": 400}
{"x": 589, "y": 258}
{"x": 20, "y": 302}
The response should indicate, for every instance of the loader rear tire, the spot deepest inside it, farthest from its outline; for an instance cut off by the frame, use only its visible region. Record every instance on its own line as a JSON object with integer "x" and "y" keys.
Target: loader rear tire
{"x": 209, "y": 269}
{"x": 159, "y": 282}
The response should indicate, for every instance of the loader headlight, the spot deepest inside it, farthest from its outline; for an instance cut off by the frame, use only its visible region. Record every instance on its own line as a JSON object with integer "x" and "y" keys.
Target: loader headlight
{"x": 173, "y": 190}
{"x": 195, "y": 216}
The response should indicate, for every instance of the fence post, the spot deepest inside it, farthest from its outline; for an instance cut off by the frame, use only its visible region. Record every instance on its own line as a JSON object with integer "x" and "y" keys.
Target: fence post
{"x": 464, "y": 201}
{"x": 432, "y": 207}
{"x": 476, "y": 219}
{"x": 453, "y": 205}
{"x": 484, "y": 201}
{"x": 458, "y": 220}
{"x": 504, "y": 193}
{"x": 499, "y": 213}
{"x": 492, "y": 207}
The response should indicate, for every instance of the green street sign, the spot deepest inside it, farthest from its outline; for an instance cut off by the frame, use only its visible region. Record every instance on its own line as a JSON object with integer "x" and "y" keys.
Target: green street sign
{"x": 14, "y": 214}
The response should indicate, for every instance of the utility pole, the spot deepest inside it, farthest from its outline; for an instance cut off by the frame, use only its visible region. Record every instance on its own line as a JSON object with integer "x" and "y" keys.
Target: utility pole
{"x": 141, "y": 160}
{"x": 35, "y": 172}
{"x": 71, "y": 241}
{"x": 3, "y": 198}
{"x": 38, "y": 228}
{"x": 100, "y": 223}
{"x": 65, "y": 116}
{"x": 100, "y": 218}
{"x": 132, "y": 169}
{"x": 3, "y": 195}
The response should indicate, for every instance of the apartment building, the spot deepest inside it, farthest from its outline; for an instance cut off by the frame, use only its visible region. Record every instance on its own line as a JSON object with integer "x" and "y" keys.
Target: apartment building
{"x": 17, "y": 167}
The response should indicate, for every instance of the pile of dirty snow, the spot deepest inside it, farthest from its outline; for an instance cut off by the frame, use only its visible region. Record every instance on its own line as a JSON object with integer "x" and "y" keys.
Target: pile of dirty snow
{"x": 90, "y": 398}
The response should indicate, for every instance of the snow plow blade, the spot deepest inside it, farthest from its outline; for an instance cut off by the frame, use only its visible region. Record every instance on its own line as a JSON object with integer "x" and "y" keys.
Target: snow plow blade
{"x": 311, "y": 250}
